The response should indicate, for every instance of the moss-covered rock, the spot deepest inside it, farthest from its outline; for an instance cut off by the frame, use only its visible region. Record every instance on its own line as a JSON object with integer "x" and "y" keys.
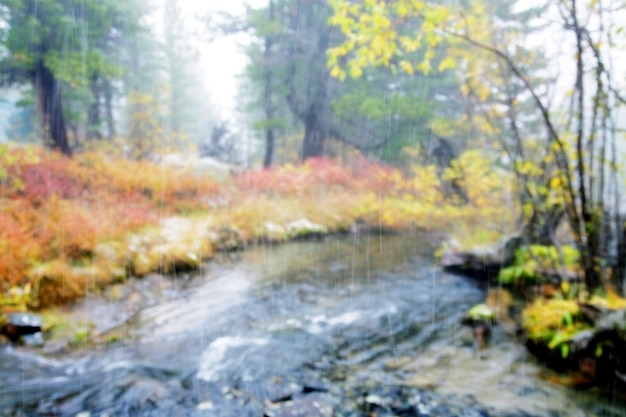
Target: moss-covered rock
{"x": 538, "y": 264}
{"x": 179, "y": 244}
{"x": 227, "y": 239}
{"x": 304, "y": 228}
{"x": 272, "y": 233}
{"x": 579, "y": 337}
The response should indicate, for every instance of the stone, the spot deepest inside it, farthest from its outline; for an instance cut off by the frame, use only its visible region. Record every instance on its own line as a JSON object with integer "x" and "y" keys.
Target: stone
{"x": 20, "y": 324}
{"x": 227, "y": 239}
{"x": 313, "y": 405}
{"x": 305, "y": 228}
{"x": 481, "y": 261}
{"x": 205, "y": 405}
{"x": 32, "y": 340}
{"x": 272, "y": 233}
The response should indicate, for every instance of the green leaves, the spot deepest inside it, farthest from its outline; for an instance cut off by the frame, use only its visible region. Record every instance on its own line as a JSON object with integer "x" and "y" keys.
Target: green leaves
{"x": 70, "y": 36}
{"x": 481, "y": 312}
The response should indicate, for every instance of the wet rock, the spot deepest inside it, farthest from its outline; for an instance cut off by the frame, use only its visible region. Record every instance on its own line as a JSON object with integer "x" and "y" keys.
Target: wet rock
{"x": 20, "y": 325}
{"x": 32, "y": 340}
{"x": 56, "y": 347}
{"x": 311, "y": 387}
{"x": 272, "y": 233}
{"x": 279, "y": 389}
{"x": 312, "y": 405}
{"x": 481, "y": 319}
{"x": 227, "y": 239}
{"x": 205, "y": 405}
{"x": 482, "y": 261}
{"x": 414, "y": 402}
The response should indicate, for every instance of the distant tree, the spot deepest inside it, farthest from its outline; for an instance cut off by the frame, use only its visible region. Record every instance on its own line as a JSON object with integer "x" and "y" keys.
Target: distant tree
{"x": 57, "y": 45}
{"x": 222, "y": 144}
{"x": 180, "y": 70}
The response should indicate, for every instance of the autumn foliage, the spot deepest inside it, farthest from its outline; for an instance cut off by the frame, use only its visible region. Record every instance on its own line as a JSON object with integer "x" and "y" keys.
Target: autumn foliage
{"x": 55, "y": 208}
{"x": 70, "y": 225}
{"x": 337, "y": 195}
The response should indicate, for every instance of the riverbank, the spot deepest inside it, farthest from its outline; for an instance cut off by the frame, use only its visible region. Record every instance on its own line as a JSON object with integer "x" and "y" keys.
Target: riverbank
{"x": 75, "y": 226}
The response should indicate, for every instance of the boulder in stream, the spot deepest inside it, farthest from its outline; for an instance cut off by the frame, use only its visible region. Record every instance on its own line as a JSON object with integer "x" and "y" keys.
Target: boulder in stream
{"x": 481, "y": 261}
{"x": 24, "y": 328}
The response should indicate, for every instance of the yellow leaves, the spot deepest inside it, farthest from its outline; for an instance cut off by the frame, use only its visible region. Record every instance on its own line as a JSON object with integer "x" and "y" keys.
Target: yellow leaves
{"x": 409, "y": 44}
{"x": 481, "y": 90}
{"x": 447, "y": 63}
{"x": 406, "y": 66}
{"x": 424, "y": 66}
{"x": 373, "y": 38}
{"x": 411, "y": 151}
{"x": 526, "y": 168}
{"x": 556, "y": 183}
{"x": 401, "y": 9}
{"x": 437, "y": 15}
{"x": 337, "y": 72}
{"x": 355, "y": 71}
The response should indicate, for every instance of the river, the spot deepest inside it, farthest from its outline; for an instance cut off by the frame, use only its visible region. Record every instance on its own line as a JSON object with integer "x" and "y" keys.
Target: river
{"x": 346, "y": 326}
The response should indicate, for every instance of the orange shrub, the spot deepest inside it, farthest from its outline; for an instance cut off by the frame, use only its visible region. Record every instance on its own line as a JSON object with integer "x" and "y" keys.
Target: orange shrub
{"x": 66, "y": 229}
{"x": 53, "y": 207}
{"x": 55, "y": 283}
{"x": 18, "y": 250}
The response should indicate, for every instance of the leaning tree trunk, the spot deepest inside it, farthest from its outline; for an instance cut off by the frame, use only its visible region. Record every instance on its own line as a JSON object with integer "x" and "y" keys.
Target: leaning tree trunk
{"x": 51, "y": 109}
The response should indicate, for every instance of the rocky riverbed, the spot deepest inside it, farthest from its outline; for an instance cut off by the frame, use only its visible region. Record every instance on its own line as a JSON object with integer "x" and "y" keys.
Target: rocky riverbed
{"x": 347, "y": 326}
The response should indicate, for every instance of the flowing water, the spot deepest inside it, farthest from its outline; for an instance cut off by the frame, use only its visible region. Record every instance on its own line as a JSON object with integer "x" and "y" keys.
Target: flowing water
{"x": 347, "y": 326}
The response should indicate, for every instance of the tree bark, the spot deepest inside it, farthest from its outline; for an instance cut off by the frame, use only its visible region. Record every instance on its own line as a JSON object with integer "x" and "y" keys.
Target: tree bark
{"x": 541, "y": 227}
{"x": 314, "y": 135}
{"x": 51, "y": 109}
{"x": 315, "y": 116}
{"x": 108, "y": 105}
{"x": 267, "y": 96}
{"x": 93, "y": 117}
{"x": 269, "y": 147}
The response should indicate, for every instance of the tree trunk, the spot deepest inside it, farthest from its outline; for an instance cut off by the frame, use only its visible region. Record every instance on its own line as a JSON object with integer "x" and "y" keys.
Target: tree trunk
{"x": 541, "y": 227}
{"x": 269, "y": 147}
{"x": 315, "y": 129}
{"x": 51, "y": 109}
{"x": 93, "y": 117}
{"x": 314, "y": 135}
{"x": 267, "y": 96}
{"x": 108, "y": 105}
{"x": 621, "y": 257}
